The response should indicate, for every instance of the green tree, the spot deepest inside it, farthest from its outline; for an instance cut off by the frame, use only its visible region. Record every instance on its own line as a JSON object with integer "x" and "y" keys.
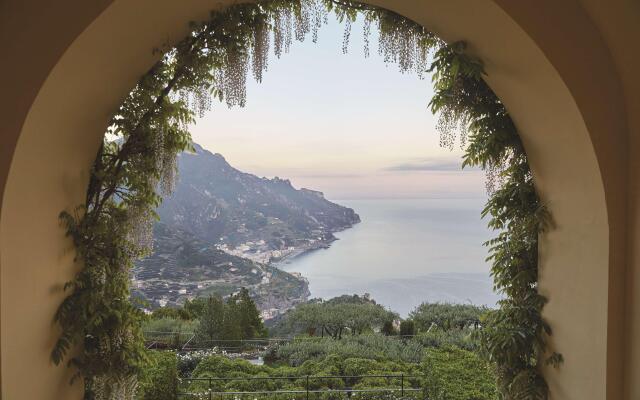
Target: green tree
{"x": 195, "y": 308}
{"x": 446, "y": 316}
{"x": 171, "y": 312}
{"x": 211, "y": 326}
{"x": 251, "y": 325}
{"x": 231, "y": 331}
{"x": 335, "y": 318}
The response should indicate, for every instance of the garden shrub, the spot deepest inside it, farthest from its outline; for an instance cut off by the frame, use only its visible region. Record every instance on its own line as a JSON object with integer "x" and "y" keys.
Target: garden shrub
{"x": 456, "y": 374}
{"x": 316, "y": 369}
{"x": 159, "y": 380}
{"x": 462, "y": 338}
{"x": 375, "y": 347}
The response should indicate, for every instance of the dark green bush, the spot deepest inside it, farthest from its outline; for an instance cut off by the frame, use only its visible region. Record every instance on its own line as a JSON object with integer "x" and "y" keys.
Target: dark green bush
{"x": 445, "y": 316}
{"x": 159, "y": 380}
{"x": 456, "y": 374}
{"x": 316, "y": 369}
{"x": 388, "y": 329}
{"x": 462, "y": 338}
{"x": 407, "y": 328}
{"x": 375, "y": 347}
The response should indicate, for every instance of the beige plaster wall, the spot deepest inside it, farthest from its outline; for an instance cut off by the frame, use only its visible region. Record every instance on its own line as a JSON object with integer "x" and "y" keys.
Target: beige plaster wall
{"x": 558, "y": 74}
{"x": 619, "y": 25}
{"x": 583, "y": 60}
{"x": 49, "y": 173}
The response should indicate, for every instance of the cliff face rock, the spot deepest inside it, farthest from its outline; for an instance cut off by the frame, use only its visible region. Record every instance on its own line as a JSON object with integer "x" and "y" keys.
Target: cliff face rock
{"x": 220, "y": 229}
{"x": 256, "y": 217}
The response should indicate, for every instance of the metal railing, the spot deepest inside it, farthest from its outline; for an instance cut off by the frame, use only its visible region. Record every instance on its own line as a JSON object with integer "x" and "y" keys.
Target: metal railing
{"x": 300, "y": 393}
{"x": 187, "y": 341}
{"x": 233, "y": 345}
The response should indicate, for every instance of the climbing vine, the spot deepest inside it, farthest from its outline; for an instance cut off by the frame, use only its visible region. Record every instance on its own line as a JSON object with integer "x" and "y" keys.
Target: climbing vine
{"x": 136, "y": 165}
{"x": 513, "y": 336}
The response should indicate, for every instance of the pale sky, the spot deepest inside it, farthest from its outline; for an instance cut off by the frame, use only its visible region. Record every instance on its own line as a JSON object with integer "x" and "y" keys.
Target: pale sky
{"x": 349, "y": 126}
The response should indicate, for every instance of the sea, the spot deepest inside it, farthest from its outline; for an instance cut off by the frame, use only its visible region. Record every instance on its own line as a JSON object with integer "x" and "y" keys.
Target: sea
{"x": 405, "y": 252}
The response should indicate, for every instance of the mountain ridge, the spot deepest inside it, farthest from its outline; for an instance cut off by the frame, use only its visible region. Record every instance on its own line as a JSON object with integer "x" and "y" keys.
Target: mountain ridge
{"x": 237, "y": 210}
{"x": 221, "y": 228}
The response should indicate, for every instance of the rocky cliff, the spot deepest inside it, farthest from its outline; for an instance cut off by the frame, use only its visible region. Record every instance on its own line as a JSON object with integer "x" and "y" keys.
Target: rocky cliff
{"x": 221, "y": 228}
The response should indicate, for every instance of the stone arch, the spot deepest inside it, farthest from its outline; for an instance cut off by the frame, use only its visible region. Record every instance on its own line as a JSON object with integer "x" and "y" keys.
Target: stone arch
{"x": 574, "y": 129}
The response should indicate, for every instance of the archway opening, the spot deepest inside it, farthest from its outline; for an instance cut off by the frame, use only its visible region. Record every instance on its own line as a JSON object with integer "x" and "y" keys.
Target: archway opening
{"x": 3, "y": 222}
{"x": 340, "y": 154}
{"x": 136, "y": 166}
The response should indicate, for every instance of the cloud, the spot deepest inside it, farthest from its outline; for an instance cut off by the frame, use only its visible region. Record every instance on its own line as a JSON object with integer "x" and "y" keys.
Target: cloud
{"x": 428, "y": 164}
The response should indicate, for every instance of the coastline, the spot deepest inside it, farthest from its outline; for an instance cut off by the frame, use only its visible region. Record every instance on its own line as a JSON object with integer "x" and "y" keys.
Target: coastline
{"x": 281, "y": 262}
{"x": 300, "y": 252}
{"x": 403, "y": 253}
{"x": 303, "y": 251}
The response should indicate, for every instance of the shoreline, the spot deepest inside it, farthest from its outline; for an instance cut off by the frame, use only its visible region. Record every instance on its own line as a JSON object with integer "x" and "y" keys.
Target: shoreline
{"x": 297, "y": 253}
{"x": 303, "y": 251}
{"x": 287, "y": 259}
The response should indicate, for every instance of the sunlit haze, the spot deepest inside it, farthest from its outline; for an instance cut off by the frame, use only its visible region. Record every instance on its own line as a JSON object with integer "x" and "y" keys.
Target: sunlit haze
{"x": 349, "y": 126}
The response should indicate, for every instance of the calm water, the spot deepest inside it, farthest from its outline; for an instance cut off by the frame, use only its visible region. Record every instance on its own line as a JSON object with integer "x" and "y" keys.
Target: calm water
{"x": 405, "y": 252}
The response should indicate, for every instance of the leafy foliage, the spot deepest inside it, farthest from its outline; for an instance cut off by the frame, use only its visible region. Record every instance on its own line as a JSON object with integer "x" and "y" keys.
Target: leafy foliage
{"x": 191, "y": 310}
{"x": 388, "y": 329}
{"x": 212, "y": 320}
{"x": 221, "y": 367}
{"x": 465, "y": 339}
{"x": 514, "y": 336}
{"x": 455, "y": 374}
{"x": 237, "y": 319}
{"x": 169, "y": 332}
{"x": 206, "y": 322}
{"x": 171, "y": 312}
{"x": 374, "y": 347}
{"x": 159, "y": 380}
{"x": 407, "y": 328}
{"x": 429, "y": 316}
{"x": 248, "y": 316}
{"x": 137, "y": 158}
{"x": 444, "y": 373}
{"x": 189, "y": 360}
{"x": 336, "y": 317}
